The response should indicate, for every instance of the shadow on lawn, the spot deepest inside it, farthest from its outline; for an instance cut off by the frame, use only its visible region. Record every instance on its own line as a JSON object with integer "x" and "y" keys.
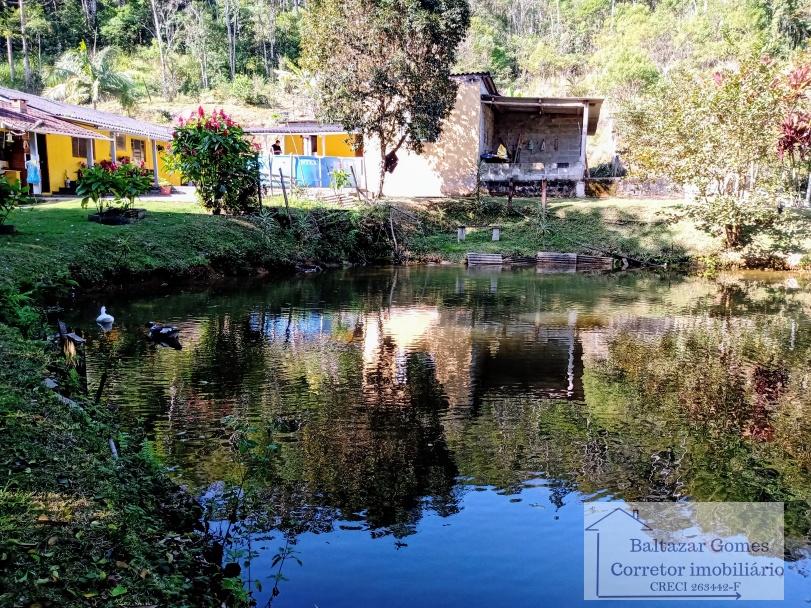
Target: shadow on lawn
{"x": 620, "y": 233}
{"x": 566, "y": 228}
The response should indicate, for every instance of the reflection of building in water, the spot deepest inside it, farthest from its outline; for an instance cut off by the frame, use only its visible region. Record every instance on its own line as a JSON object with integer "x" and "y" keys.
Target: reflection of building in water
{"x": 475, "y": 356}
{"x": 543, "y": 358}
{"x": 548, "y": 366}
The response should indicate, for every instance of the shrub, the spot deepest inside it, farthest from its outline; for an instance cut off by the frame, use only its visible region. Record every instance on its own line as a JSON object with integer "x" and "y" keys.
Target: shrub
{"x": 129, "y": 182}
{"x": 213, "y": 152}
{"x": 12, "y": 195}
{"x": 340, "y": 179}
{"x": 248, "y": 90}
{"x": 125, "y": 181}
{"x": 93, "y": 184}
{"x": 16, "y": 309}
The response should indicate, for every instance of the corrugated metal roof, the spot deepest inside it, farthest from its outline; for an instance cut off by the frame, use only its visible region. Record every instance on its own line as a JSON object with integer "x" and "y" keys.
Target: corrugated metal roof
{"x": 36, "y": 121}
{"x": 296, "y": 128}
{"x": 89, "y": 116}
{"x": 550, "y": 105}
{"x": 485, "y": 77}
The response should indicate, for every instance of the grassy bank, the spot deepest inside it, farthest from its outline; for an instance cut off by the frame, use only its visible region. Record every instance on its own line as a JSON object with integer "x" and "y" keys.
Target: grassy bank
{"x": 56, "y": 244}
{"x": 640, "y": 229}
{"x": 78, "y": 526}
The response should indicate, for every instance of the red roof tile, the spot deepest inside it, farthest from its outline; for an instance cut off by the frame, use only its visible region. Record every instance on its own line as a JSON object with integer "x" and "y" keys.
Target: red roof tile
{"x": 89, "y": 116}
{"x": 36, "y": 121}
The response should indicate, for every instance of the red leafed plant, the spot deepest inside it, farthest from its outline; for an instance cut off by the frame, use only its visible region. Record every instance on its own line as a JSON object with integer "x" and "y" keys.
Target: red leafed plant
{"x": 799, "y": 79}
{"x": 795, "y": 136}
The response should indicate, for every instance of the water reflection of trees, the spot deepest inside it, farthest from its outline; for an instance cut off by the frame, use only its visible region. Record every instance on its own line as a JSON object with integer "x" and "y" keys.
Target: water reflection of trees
{"x": 382, "y": 390}
{"x": 736, "y": 394}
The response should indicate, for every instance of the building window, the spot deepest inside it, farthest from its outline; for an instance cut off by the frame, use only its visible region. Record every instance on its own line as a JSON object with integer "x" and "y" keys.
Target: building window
{"x": 313, "y": 144}
{"x": 79, "y": 147}
{"x": 120, "y": 141}
{"x": 138, "y": 151}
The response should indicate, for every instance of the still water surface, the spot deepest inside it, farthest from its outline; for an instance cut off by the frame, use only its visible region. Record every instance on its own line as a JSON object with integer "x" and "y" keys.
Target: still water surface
{"x": 433, "y": 432}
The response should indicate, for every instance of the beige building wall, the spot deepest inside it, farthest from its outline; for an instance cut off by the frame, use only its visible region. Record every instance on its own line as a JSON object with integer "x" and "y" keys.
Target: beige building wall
{"x": 445, "y": 168}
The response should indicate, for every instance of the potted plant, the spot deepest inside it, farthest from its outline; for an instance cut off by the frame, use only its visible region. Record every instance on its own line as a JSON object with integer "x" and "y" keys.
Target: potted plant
{"x": 129, "y": 181}
{"x": 166, "y": 186}
{"x": 93, "y": 186}
{"x": 125, "y": 182}
{"x": 12, "y": 195}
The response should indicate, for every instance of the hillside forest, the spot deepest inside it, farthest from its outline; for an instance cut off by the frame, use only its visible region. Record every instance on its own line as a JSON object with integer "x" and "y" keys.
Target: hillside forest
{"x": 158, "y": 59}
{"x": 246, "y": 52}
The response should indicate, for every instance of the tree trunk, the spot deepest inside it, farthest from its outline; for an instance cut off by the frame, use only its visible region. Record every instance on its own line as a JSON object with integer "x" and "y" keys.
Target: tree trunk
{"x": 265, "y": 63}
{"x": 24, "y": 38}
{"x": 90, "y": 10}
{"x": 732, "y": 235}
{"x": 808, "y": 191}
{"x": 204, "y": 68}
{"x": 161, "y": 51}
{"x": 231, "y": 25}
{"x": 382, "y": 170}
{"x": 10, "y": 53}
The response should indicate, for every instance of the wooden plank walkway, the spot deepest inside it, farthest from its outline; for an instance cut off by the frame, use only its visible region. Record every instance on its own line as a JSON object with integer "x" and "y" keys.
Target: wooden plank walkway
{"x": 576, "y": 260}
{"x": 545, "y": 259}
{"x": 480, "y": 259}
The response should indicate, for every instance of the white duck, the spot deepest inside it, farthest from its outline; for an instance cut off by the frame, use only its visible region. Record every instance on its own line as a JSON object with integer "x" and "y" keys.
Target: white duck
{"x": 104, "y": 320}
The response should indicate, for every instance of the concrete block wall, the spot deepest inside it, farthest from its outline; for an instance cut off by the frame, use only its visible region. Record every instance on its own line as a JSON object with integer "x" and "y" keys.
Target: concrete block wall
{"x": 559, "y": 188}
{"x": 538, "y": 135}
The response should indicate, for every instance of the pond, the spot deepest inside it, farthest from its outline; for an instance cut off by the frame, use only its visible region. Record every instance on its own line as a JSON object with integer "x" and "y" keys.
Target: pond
{"x": 427, "y": 436}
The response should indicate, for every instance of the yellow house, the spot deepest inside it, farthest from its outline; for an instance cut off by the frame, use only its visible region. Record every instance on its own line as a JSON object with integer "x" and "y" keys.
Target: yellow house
{"x": 309, "y": 153}
{"x": 62, "y": 138}
{"x": 308, "y": 138}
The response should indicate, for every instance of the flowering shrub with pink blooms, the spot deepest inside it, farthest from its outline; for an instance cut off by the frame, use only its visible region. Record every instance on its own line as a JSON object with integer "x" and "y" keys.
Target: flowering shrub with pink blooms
{"x": 124, "y": 181}
{"x": 213, "y": 152}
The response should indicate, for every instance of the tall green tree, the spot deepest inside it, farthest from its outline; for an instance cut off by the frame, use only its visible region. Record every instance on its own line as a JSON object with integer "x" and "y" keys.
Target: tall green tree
{"x": 81, "y": 77}
{"x": 7, "y": 24}
{"x": 716, "y": 134}
{"x": 384, "y": 67}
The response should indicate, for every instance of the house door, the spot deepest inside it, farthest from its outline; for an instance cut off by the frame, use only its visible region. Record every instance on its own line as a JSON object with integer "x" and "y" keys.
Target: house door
{"x": 42, "y": 151}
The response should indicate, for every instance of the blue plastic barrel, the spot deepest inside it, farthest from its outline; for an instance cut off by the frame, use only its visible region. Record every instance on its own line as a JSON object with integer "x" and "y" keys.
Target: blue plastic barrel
{"x": 307, "y": 171}
{"x": 328, "y": 165}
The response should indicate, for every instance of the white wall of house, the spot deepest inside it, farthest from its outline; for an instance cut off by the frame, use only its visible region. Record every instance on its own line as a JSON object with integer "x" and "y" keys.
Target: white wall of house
{"x": 552, "y": 144}
{"x": 445, "y": 168}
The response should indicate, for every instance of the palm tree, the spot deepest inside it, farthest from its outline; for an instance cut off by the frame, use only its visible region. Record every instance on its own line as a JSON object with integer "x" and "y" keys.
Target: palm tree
{"x": 81, "y": 77}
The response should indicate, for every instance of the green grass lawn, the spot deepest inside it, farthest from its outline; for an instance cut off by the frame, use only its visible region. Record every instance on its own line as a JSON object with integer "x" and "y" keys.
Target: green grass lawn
{"x": 641, "y": 229}
{"x": 55, "y": 240}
